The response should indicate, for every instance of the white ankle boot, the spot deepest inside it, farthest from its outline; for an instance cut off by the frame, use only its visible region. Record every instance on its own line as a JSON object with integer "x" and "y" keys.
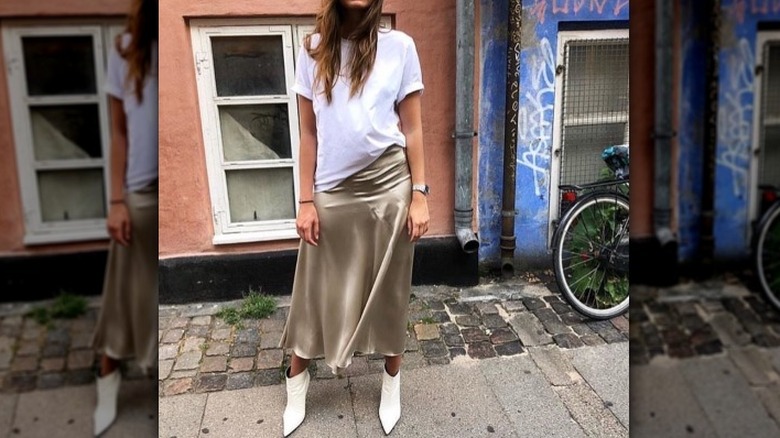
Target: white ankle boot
{"x": 390, "y": 403}
{"x": 107, "y": 391}
{"x": 295, "y": 412}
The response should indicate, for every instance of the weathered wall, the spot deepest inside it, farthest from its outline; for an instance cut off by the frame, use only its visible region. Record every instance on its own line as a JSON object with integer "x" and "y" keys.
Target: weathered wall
{"x": 735, "y": 122}
{"x": 186, "y": 227}
{"x": 11, "y": 209}
{"x": 541, "y": 20}
{"x": 694, "y": 40}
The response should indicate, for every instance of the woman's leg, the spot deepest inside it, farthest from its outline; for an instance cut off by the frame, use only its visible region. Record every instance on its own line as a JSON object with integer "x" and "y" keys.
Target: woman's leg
{"x": 297, "y": 365}
{"x": 107, "y": 365}
{"x": 393, "y": 364}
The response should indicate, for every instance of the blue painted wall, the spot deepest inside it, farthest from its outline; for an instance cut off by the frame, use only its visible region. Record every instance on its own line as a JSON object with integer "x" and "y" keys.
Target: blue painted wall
{"x": 694, "y": 17}
{"x": 735, "y": 122}
{"x": 541, "y": 21}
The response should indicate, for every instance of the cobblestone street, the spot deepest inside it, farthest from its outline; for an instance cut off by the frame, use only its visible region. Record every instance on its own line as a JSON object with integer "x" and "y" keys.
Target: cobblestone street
{"x": 34, "y": 356}
{"x": 201, "y": 353}
{"x": 705, "y": 360}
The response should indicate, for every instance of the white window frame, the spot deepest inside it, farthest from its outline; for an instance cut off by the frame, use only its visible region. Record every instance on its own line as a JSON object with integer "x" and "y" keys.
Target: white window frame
{"x": 763, "y": 38}
{"x": 293, "y": 31}
{"x": 565, "y": 37}
{"x": 102, "y": 32}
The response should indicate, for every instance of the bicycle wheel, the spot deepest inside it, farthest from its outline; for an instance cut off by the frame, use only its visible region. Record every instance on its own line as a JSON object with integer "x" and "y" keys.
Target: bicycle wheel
{"x": 767, "y": 255}
{"x": 591, "y": 255}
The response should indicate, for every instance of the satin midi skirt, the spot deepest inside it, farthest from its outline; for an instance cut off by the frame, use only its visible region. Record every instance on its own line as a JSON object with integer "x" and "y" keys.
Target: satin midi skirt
{"x": 351, "y": 292}
{"x": 127, "y": 323}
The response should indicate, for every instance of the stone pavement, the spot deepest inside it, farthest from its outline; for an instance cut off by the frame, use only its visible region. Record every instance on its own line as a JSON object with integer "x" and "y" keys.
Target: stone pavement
{"x": 500, "y": 359}
{"x": 202, "y": 353}
{"x": 34, "y": 357}
{"x": 705, "y": 360}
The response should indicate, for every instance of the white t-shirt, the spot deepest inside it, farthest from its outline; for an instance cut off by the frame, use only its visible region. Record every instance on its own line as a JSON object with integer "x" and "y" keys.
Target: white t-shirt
{"x": 353, "y": 132}
{"x": 141, "y": 118}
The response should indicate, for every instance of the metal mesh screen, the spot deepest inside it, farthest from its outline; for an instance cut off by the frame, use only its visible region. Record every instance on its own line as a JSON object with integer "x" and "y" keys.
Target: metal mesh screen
{"x": 769, "y": 161}
{"x": 595, "y": 106}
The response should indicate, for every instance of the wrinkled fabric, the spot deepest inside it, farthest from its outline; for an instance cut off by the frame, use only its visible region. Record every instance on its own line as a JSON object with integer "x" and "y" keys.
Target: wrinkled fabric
{"x": 127, "y": 324}
{"x": 351, "y": 292}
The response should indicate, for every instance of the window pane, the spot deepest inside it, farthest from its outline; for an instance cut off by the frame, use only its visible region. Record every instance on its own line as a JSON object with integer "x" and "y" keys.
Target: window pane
{"x": 260, "y": 194}
{"x": 255, "y": 132}
{"x": 597, "y": 77}
{"x": 71, "y": 195}
{"x": 64, "y": 132}
{"x": 249, "y": 65}
{"x": 773, "y": 83}
{"x": 582, "y": 149}
{"x": 56, "y": 65}
{"x": 770, "y": 157}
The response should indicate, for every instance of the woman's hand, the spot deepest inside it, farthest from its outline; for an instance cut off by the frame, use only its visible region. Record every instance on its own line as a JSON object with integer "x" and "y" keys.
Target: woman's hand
{"x": 308, "y": 224}
{"x": 417, "y": 221}
{"x": 118, "y": 224}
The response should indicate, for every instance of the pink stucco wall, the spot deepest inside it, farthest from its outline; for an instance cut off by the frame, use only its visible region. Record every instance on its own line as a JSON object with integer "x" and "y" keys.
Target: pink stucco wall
{"x": 186, "y": 226}
{"x": 11, "y": 210}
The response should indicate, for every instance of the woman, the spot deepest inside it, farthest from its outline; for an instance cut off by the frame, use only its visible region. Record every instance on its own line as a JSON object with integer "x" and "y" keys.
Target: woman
{"x": 127, "y": 325}
{"x": 362, "y": 199}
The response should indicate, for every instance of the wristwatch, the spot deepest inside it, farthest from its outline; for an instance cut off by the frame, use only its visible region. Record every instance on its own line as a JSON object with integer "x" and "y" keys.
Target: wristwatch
{"x": 422, "y": 188}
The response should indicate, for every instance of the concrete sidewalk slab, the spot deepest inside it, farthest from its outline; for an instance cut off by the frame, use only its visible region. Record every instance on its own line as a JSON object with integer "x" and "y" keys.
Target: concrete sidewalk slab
{"x": 589, "y": 411}
{"x": 662, "y": 404}
{"x": 500, "y": 397}
{"x": 67, "y": 412}
{"x": 725, "y": 396}
{"x": 181, "y": 415}
{"x": 440, "y": 401}
{"x": 258, "y": 412}
{"x": 528, "y": 399}
{"x": 605, "y": 368}
{"x": 7, "y": 409}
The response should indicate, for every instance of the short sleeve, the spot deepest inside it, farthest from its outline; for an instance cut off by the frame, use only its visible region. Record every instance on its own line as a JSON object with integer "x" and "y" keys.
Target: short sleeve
{"x": 114, "y": 76}
{"x": 303, "y": 74}
{"x": 412, "y": 75}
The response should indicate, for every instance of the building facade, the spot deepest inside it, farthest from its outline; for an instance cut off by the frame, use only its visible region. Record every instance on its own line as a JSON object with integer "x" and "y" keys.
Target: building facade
{"x": 725, "y": 59}
{"x": 573, "y": 103}
{"x": 54, "y": 143}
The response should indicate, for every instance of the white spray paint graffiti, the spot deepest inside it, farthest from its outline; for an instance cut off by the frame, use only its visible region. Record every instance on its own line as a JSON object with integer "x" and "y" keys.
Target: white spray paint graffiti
{"x": 535, "y": 130}
{"x": 734, "y": 117}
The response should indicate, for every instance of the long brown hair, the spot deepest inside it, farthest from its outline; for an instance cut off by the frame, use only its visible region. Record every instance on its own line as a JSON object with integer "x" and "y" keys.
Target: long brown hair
{"x": 143, "y": 28}
{"x": 327, "y": 54}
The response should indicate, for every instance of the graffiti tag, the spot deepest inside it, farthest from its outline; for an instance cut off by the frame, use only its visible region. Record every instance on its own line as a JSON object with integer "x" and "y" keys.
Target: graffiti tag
{"x": 734, "y": 116}
{"x": 536, "y": 117}
{"x": 754, "y": 7}
{"x": 575, "y": 7}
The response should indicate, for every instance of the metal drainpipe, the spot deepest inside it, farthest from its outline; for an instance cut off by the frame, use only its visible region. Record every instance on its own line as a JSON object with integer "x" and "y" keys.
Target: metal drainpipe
{"x": 663, "y": 123}
{"x": 464, "y": 125}
{"x": 707, "y": 244}
{"x": 508, "y": 240}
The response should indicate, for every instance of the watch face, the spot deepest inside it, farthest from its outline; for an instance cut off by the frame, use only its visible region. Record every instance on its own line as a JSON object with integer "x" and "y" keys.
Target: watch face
{"x": 422, "y": 188}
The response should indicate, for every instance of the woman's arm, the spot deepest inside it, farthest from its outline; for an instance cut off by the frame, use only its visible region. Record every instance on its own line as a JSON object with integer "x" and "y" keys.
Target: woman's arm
{"x": 308, "y": 223}
{"x": 410, "y": 112}
{"x": 118, "y": 222}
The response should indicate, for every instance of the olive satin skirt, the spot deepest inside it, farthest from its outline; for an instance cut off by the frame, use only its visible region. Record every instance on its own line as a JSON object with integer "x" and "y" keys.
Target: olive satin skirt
{"x": 127, "y": 324}
{"x": 351, "y": 292}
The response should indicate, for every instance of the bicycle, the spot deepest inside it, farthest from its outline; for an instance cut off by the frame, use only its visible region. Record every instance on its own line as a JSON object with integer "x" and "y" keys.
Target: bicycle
{"x": 766, "y": 245}
{"x": 590, "y": 244}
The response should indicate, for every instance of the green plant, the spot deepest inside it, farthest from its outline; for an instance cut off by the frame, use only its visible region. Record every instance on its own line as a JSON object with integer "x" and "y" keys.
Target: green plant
{"x": 254, "y": 306}
{"x": 65, "y": 306}
{"x": 428, "y": 320}
{"x": 592, "y": 234}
